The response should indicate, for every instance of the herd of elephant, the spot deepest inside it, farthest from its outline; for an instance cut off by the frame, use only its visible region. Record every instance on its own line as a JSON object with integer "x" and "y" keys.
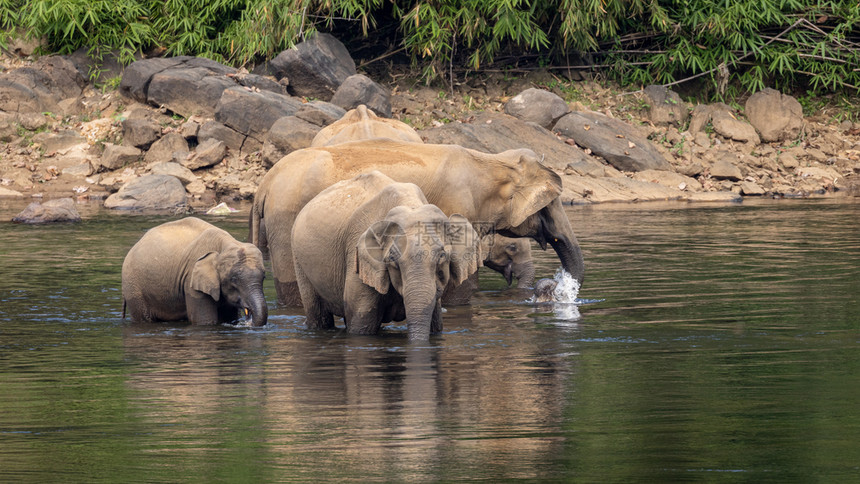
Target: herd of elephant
{"x": 369, "y": 223}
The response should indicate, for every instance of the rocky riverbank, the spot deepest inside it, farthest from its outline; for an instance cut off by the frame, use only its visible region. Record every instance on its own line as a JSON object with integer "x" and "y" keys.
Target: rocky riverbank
{"x": 195, "y": 132}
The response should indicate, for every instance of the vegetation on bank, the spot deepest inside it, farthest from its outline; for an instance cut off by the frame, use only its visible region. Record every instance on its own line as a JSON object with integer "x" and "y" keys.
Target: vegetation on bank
{"x": 738, "y": 46}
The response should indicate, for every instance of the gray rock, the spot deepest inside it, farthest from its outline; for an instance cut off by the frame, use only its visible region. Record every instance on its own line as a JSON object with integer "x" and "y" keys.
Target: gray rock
{"x": 106, "y": 68}
{"x": 315, "y": 68}
{"x": 615, "y": 141}
{"x": 163, "y": 149}
{"x": 262, "y": 83}
{"x": 593, "y": 169}
{"x": 537, "y": 106}
{"x": 117, "y": 156}
{"x": 666, "y": 106}
{"x": 497, "y": 132}
{"x": 776, "y": 116}
{"x": 174, "y": 169}
{"x": 140, "y": 132}
{"x": 8, "y": 130}
{"x": 187, "y": 90}
{"x": 80, "y": 170}
{"x": 53, "y": 142}
{"x": 41, "y": 87}
{"x": 9, "y": 193}
{"x": 253, "y": 113}
{"x": 208, "y": 153}
{"x": 215, "y": 130}
{"x": 360, "y": 89}
{"x": 150, "y": 192}
{"x": 728, "y": 125}
{"x": 190, "y": 129}
{"x": 691, "y": 169}
{"x": 287, "y": 135}
{"x": 320, "y": 113}
{"x": 751, "y": 189}
{"x": 32, "y": 121}
{"x": 137, "y": 76}
{"x": 699, "y": 119}
{"x": 724, "y": 167}
{"x": 52, "y": 211}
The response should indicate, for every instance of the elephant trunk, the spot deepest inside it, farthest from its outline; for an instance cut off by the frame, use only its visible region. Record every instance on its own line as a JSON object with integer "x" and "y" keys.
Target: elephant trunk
{"x": 525, "y": 274}
{"x": 258, "y": 307}
{"x": 559, "y": 233}
{"x": 420, "y": 302}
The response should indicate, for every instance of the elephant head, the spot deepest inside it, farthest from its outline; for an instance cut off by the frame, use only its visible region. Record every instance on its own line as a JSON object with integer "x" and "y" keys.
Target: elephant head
{"x": 416, "y": 251}
{"x": 234, "y": 276}
{"x": 511, "y": 258}
{"x": 529, "y": 199}
{"x": 360, "y": 124}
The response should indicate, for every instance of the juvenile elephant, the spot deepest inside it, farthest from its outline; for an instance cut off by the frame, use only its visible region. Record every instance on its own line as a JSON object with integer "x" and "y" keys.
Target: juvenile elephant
{"x": 373, "y": 251}
{"x": 512, "y": 258}
{"x": 511, "y": 192}
{"x": 190, "y": 269}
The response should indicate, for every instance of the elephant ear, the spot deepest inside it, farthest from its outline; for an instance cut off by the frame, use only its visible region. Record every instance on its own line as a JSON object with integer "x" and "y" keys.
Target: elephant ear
{"x": 535, "y": 186}
{"x": 464, "y": 248}
{"x": 376, "y": 247}
{"x": 204, "y": 276}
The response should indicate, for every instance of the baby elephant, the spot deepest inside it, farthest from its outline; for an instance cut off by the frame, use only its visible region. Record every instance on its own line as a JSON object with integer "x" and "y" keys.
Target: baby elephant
{"x": 373, "y": 251}
{"x": 544, "y": 289}
{"x": 190, "y": 269}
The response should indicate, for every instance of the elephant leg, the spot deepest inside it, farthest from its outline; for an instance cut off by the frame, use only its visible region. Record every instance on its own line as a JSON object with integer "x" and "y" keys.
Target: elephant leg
{"x": 363, "y": 309}
{"x": 460, "y": 295}
{"x": 317, "y": 315}
{"x": 436, "y": 322}
{"x": 289, "y": 294}
{"x": 201, "y": 309}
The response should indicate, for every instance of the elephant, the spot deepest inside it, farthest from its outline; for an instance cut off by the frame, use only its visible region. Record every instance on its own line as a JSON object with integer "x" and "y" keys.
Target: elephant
{"x": 190, "y": 269}
{"x": 511, "y": 193}
{"x": 362, "y": 123}
{"x": 373, "y": 251}
{"x": 543, "y": 290}
{"x": 510, "y": 257}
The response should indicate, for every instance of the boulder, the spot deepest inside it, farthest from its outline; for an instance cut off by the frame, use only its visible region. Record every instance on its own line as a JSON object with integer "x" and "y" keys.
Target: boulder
{"x": 537, "y": 106}
{"x": 315, "y": 68}
{"x": 615, "y": 141}
{"x": 724, "y": 167}
{"x": 107, "y": 67}
{"x": 54, "y": 142}
{"x": 208, "y": 153}
{"x": 359, "y": 89}
{"x": 32, "y": 121}
{"x": 52, "y": 211}
{"x": 140, "y": 132}
{"x": 497, "y": 132}
{"x": 182, "y": 173}
{"x": 669, "y": 179}
{"x": 581, "y": 189}
{"x": 320, "y": 113}
{"x": 116, "y": 156}
{"x": 699, "y": 119}
{"x": 188, "y": 91}
{"x": 215, "y": 130}
{"x": 751, "y": 188}
{"x": 44, "y": 86}
{"x": 138, "y": 75}
{"x": 260, "y": 83}
{"x": 150, "y": 192}
{"x": 728, "y": 125}
{"x": 163, "y": 149}
{"x": 287, "y": 135}
{"x": 253, "y": 113}
{"x": 776, "y": 116}
{"x": 9, "y": 193}
{"x": 666, "y": 106}
{"x": 78, "y": 170}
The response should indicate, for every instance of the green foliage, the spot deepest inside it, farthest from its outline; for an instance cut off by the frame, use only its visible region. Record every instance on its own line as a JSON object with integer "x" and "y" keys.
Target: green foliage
{"x": 741, "y": 45}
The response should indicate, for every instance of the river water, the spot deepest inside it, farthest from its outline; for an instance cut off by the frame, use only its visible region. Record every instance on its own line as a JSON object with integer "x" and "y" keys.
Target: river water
{"x": 716, "y": 343}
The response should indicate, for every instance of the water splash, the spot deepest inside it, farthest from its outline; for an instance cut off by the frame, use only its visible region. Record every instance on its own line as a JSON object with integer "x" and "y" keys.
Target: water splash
{"x": 567, "y": 289}
{"x": 564, "y": 302}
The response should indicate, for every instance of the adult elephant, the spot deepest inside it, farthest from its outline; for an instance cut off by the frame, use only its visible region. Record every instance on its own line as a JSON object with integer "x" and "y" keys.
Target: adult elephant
{"x": 190, "y": 269}
{"x": 509, "y": 192}
{"x": 373, "y": 251}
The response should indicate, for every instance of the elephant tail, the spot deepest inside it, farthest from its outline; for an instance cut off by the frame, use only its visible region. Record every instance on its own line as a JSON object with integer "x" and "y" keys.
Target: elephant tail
{"x": 123, "y": 308}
